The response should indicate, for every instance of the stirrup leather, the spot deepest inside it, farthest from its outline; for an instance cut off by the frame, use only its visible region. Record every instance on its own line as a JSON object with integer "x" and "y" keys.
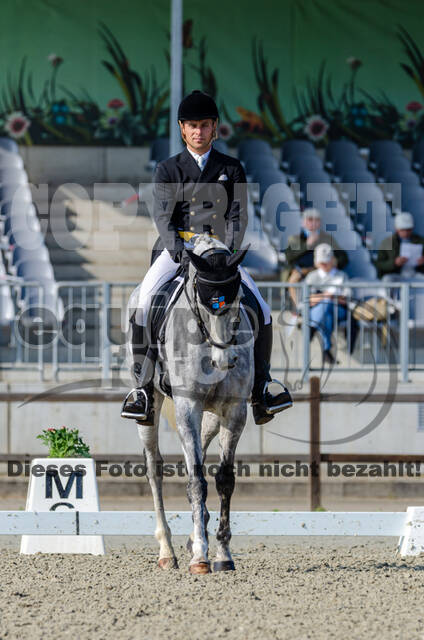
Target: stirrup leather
{"x": 136, "y": 416}
{"x": 279, "y": 407}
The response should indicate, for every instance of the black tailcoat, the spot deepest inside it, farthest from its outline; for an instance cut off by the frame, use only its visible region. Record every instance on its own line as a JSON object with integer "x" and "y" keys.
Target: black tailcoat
{"x": 187, "y": 199}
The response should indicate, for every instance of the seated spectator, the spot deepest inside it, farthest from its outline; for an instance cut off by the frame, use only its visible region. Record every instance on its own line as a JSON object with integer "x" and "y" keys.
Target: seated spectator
{"x": 300, "y": 250}
{"x": 397, "y": 258}
{"x": 326, "y": 280}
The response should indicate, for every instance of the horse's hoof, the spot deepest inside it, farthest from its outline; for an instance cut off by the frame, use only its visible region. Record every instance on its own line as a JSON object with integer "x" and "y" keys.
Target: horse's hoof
{"x": 168, "y": 563}
{"x": 224, "y": 565}
{"x": 200, "y": 568}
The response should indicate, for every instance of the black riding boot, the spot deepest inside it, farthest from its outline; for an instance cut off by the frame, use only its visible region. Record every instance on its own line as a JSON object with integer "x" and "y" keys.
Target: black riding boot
{"x": 265, "y": 404}
{"x": 142, "y": 408}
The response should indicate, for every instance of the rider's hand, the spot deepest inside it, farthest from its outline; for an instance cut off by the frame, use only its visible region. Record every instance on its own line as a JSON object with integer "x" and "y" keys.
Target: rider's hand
{"x": 185, "y": 261}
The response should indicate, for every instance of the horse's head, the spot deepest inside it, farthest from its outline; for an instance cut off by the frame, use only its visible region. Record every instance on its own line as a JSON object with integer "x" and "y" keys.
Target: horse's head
{"x": 215, "y": 297}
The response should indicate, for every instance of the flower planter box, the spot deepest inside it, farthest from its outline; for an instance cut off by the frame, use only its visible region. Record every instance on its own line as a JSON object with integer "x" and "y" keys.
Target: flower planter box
{"x": 58, "y": 484}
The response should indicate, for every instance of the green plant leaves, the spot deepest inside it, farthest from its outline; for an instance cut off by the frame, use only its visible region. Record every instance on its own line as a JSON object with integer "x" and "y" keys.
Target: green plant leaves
{"x": 64, "y": 443}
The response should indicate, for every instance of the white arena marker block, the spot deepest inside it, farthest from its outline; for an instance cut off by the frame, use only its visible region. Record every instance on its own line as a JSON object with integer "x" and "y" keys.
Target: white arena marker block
{"x": 63, "y": 484}
{"x": 411, "y": 542}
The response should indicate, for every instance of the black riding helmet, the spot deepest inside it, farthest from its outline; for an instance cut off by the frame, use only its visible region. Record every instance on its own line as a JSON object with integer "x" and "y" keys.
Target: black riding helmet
{"x": 197, "y": 106}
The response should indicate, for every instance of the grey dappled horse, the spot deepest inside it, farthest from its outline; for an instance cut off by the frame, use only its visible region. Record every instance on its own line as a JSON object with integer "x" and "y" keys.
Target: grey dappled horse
{"x": 209, "y": 356}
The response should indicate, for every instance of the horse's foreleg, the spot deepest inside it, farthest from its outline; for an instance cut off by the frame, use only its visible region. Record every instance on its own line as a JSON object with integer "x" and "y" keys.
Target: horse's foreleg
{"x": 225, "y": 481}
{"x": 154, "y": 460}
{"x": 210, "y": 427}
{"x": 189, "y": 423}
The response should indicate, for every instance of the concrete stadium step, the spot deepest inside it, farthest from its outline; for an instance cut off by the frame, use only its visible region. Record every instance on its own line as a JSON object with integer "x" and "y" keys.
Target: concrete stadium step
{"x": 101, "y": 240}
{"x": 98, "y": 256}
{"x": 104, "y": 272}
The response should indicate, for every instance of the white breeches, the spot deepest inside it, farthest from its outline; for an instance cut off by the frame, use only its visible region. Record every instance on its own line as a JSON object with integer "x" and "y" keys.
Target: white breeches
{"x": 164, "y": 269}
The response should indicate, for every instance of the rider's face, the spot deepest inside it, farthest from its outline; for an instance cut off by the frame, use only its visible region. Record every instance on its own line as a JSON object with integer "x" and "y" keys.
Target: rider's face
{"x": 198, "y": 134}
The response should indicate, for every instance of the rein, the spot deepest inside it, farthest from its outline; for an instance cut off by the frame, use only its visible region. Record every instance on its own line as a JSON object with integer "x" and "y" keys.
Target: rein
{"x": 194, "y": 306}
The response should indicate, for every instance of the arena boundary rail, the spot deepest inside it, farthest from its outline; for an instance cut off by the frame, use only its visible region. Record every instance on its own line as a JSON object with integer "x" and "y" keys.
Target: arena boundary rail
{"x": 409, "y": 526}
{"x": 315, "y": 457}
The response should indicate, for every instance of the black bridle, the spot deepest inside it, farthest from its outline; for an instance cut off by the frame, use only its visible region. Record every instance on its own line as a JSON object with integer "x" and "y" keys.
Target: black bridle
{"x": 194, "y": 306}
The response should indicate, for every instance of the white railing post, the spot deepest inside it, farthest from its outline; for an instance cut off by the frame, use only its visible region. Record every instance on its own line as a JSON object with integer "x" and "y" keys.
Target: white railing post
{"x": 306, "y": 331}
{"x": 105, "y": 343}
{"x": 404, "y": 331}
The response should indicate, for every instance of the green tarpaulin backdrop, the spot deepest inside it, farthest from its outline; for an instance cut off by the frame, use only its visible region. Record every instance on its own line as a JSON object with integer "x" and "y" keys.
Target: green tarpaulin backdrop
{"x": 65, "y": 99}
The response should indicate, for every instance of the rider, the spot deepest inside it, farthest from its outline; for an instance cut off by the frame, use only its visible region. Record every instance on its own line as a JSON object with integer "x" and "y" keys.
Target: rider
{"x": 178, "y": 215}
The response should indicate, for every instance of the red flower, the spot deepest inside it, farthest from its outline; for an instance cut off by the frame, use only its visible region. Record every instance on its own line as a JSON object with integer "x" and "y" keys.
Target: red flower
{"x": 51, "y": 429}
{"x": 115, "y": 103}
{"x": 55, "y": 59}
{"x": 414, "y": 106}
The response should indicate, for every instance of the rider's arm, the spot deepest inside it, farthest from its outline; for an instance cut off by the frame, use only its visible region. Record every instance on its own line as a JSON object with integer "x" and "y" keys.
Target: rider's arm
{"x": 164, "y": 200}
{"x": 236, "y": 216}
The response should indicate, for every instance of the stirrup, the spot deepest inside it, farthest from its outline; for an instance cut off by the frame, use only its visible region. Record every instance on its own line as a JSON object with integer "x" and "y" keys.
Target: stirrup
{"x": 136, "y": 416}
{"x": 279, "y": 407}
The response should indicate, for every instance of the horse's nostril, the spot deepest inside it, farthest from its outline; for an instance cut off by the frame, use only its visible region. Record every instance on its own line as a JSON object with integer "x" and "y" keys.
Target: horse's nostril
{"x": 214, "y": 364}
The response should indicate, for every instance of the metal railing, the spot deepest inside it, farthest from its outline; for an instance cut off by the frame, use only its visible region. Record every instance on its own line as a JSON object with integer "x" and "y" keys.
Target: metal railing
{"x": 84, "y": 328}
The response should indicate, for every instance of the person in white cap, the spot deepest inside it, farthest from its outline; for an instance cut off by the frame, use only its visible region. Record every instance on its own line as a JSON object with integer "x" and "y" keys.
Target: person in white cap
{"x": 300, "y": 250}
{"x": 327, "y": 298}
{"x": 398, "y": 258}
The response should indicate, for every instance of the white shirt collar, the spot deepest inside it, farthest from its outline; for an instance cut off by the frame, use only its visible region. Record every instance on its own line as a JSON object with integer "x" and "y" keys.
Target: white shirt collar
{"x": 196, "y": 156}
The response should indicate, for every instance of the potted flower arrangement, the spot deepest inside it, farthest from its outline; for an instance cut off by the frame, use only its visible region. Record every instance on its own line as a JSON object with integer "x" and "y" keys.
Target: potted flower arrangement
{"x": 65, "y": 480}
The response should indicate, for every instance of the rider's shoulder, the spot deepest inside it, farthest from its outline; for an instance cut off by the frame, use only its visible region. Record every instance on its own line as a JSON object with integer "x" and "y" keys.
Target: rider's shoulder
{"x": 229, "y": 161}
{"x": 166, "y": 166}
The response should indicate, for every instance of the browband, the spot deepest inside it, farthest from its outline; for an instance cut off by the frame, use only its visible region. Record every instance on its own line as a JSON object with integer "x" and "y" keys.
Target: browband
{"x": 217, "y": 282}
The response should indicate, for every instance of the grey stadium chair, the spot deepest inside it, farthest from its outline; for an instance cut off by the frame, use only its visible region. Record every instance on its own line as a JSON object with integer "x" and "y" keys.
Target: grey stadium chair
{"x": 403, "y": 177}
{"x": 357, "y": 177}
{"x": 306, "y": 184}
{"x": 221, "y": 146}
{"x": 378, "y": 223}
{"x": 26, "y": 239}
{"x": 360, "y": 265}
{"x": 262, "y": 261}
{"x": 415, "y": 207}
{"x": 300, "y": 164}
{"x": 11, "y": 191}
{"x": 20, "y": 255}
{"x": 10, "y": 161}
{"x": 277, "y": 198}
{"x": 35, "y": 270}
{"x": 7, "y": 144}
{"x": 260, "y": 163}
{"x": 295, "y": 147}
{"x": 269, "y": 178}
{"x": 418, "y": 154}
{"x": 418, "y": 224}
{"x": 253, "y": 146}
{"x": 389, "y": 165}
{"x": 7, "y": 314}
{"x": 17, "y": 206}
{"x": 12, "y": 175}
{"x": 383, "y": 148}
{"x": 339, "y": 148}
{"x": 348, "y": 164}
{"x": 21, "y": 223}
{"x": 410, "y": 193}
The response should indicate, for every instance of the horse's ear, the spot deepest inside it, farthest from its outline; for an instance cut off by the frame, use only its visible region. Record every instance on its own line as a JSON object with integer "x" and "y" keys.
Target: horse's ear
{"x": 200, "y": 263}
{"x": 237, "y": 257}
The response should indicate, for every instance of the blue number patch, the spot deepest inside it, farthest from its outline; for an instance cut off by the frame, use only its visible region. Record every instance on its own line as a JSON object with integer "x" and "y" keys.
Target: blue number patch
{"x": 218, "y": 303}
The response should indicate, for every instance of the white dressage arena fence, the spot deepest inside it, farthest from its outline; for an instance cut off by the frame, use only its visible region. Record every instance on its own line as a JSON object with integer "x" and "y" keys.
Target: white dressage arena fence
{"x": 407, "y": 526}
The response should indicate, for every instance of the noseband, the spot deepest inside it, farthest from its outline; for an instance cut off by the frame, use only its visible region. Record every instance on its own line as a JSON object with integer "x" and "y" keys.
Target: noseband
{"x": 194, "y": 306}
